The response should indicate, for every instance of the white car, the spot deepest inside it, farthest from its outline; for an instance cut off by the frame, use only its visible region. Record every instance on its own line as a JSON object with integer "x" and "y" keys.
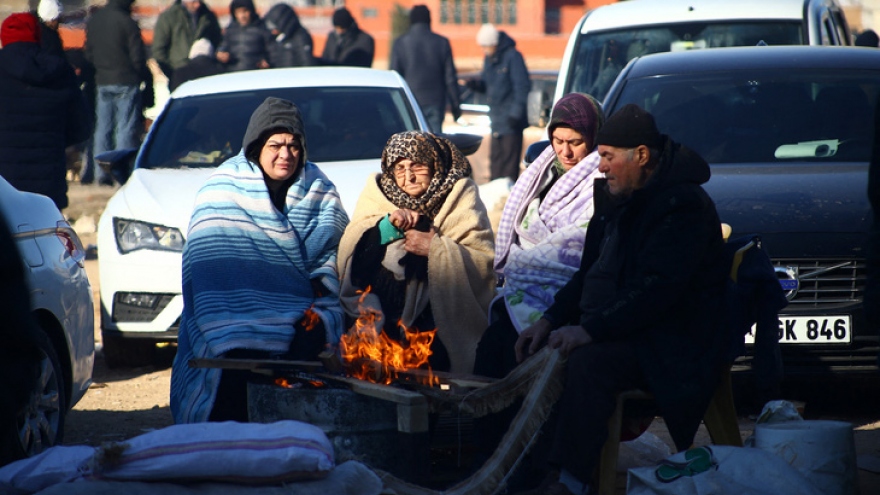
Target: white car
{"x": 608, "y": 37}
{"x": 349, "y": 114}
{"x": 63, "y": 308}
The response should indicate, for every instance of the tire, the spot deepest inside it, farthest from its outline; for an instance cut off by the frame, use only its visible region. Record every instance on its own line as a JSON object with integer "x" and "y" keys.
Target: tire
{"x": 120, "y": 352}
{"x": 41, "y": 424}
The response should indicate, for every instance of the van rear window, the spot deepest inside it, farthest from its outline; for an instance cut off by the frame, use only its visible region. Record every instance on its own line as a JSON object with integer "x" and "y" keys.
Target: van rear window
{"x": 600, "y": 56}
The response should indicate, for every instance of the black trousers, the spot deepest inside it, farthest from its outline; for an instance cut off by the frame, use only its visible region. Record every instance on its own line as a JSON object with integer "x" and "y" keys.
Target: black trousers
{"x": 505, "y": 155}
{"x": 595, "y": 374}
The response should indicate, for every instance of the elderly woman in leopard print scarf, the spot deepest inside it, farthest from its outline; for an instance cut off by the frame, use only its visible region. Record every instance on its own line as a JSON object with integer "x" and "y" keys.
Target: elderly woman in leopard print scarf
{"x": 421, "y": 243}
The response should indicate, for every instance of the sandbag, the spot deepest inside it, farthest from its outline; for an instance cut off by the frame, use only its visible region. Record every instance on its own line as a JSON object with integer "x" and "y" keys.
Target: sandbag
{"x": 348, "y": 478}
{"x": 251, "y": 453}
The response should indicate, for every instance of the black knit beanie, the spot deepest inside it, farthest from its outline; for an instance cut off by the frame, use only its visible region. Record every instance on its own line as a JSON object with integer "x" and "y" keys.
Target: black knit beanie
{"x": 420, "y": 15}
{"x": 342, "y": 18}
{"x": 630, "y": 127}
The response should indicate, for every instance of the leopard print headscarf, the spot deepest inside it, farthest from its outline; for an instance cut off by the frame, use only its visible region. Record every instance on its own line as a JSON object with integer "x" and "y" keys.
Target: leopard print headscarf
{"x": 447, "y": 161}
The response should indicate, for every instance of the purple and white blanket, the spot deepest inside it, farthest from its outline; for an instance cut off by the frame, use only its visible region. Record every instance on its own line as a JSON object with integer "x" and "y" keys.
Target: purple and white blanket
{"x": 539, "y": 242}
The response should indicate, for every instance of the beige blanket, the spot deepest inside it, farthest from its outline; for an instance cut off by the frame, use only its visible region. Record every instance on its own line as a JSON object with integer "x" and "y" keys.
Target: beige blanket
{"x": 461, "y": 282}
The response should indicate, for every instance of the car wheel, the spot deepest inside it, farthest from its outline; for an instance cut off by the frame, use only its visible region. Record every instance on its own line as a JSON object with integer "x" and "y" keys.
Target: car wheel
{"x": 121, "y": 352}
{"x": 41, "y": 424}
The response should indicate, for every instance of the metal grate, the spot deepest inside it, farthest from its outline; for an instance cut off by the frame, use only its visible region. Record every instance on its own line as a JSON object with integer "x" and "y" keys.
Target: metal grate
{"x": 824, "y": 282}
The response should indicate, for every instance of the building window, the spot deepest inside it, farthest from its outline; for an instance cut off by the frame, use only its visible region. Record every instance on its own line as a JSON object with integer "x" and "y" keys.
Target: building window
{"x": 552, "y": 21}
{"x": 478, "y": 11}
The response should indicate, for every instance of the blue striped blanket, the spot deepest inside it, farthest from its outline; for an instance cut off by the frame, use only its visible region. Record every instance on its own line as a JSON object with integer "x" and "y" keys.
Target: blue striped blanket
{"x": 248, "y": 272}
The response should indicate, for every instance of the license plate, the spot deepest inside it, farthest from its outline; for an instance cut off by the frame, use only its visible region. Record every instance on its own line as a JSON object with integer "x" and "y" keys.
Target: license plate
{"x": 811, "y": 330}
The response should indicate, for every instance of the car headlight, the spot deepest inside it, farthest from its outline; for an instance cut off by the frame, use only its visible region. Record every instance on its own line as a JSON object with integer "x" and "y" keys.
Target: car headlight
{"x": 132, "y": 235}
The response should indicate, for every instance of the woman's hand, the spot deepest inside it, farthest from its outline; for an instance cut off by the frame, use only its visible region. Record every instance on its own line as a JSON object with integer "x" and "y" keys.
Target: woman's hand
{"x": 418, "y": 242}
{"x": 404, "y": 219}
{"x": 568, "y": 338}
{"x": 531, "y": 339}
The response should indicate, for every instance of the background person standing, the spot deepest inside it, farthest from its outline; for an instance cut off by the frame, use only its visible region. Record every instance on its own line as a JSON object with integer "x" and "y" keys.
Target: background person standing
{"x": 505, "y": 80}
{"x": 202, "y": 63}
{"x": 347, "y": 44}
{"x": 424, "y": 59}
{"x": 177, "y": 28}
{"x": 115, "y": 47}
{"x": 293, "y": 43}
{"x": 246, "y": 42}
{"x": 49, "y": 13}
{"x": 42, "y": 111}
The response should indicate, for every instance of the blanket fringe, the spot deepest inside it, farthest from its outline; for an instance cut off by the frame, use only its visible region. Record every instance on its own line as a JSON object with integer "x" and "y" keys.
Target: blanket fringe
{"x": 540, "y": 379}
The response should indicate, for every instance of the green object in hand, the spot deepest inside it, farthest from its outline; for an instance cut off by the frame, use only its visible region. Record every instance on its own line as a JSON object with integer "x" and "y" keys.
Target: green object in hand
{"x": 388, "y": 232}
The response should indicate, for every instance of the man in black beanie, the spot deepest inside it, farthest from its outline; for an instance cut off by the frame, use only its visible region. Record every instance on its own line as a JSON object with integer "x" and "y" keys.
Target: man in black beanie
{"x": 424, "y": 59}
{"x": 643, "y": 310}
{"x": 347, "y": 44}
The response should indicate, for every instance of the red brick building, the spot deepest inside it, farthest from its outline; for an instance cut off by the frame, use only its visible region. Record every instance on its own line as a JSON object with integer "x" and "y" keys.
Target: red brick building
{"x": 539, "y": 27}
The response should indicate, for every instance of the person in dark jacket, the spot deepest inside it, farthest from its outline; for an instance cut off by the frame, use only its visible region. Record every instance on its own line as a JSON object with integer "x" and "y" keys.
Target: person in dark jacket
{"x": 201, "y": 64}
{"x": 347, "y": 44}
{"x": 177, "y": 28}
{"x": 642, "y": 311}
{"x": 246, "y": 42}
{"x": 293, "y": 43}
{"x": 115, "y": 48}
{"x": 42, "y": 111}
{"x": 872, "y": 252}
{"x": 49, "y": 13}
{"x": 505, "y": 80}
{"x": 424, "y": 59}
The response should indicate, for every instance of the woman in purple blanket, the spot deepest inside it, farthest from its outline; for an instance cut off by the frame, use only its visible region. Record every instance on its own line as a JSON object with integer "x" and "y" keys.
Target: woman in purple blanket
{"x": 541, "y": 234}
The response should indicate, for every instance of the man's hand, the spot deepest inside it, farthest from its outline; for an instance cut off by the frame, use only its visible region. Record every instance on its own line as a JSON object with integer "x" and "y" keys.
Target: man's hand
{"x": 263, "y": 64}
{"x": 531, "y": 339}
{"x": 223, "y": 57}
{"x": 404, "y": 219}
{"x": 418, "y": 242}
{"x": 568, "y": 338}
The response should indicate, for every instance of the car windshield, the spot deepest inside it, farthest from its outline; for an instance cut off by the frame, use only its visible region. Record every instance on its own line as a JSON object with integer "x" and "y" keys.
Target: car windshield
{"x": 600, "y": 56}
{"x": 342, "y": 123}
{"x": 761, "y": 116}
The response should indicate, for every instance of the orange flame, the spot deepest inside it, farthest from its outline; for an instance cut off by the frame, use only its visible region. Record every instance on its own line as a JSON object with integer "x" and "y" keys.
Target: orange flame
{"x": 375, "y": 357}
{"x": 310, "y": 319}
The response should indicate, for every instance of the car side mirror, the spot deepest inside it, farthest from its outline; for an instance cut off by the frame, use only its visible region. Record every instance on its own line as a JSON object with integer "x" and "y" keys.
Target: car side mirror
{"x": 533, "y": 151}
{"x": 117, "y": 163}
{"x": 468, "y": 144}
{"x": 538, "y": 108}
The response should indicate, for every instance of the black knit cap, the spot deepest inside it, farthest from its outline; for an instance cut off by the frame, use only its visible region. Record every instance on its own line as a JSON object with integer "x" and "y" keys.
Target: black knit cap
{"x": 420, "y": 15}
{"x": 630, "y": 127}
{"x": 342, "y": 18}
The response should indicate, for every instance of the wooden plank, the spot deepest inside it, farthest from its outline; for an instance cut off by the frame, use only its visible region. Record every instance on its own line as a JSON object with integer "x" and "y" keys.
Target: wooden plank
{"x": 412, "y": 418}
{"x": 253, "y": 364}
{"x": 385, "y": 392}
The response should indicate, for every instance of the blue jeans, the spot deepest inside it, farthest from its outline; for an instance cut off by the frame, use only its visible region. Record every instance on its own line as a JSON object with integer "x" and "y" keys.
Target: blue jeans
{"x": 118, "y": 122}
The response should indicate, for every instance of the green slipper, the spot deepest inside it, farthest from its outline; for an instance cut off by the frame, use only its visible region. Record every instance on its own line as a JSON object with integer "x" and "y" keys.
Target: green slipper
{"x": 696, "y": 461}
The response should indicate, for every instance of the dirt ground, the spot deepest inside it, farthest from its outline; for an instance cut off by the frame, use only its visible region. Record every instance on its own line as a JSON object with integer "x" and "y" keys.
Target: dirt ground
{"x": 125, "y": 403}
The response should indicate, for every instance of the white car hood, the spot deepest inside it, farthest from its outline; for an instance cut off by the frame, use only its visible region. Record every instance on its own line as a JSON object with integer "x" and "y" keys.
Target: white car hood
{"x": 164, "y": 196}
{"x": 167, "y": 196}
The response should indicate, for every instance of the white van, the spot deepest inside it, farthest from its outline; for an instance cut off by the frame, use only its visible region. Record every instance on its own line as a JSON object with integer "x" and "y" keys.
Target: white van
{"x": 608, "y": 37}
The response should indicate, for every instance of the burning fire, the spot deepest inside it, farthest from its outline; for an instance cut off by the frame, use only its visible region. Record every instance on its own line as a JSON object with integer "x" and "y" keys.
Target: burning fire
{"x": 375, "y": 357}
{"x": 310, "y": 319}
